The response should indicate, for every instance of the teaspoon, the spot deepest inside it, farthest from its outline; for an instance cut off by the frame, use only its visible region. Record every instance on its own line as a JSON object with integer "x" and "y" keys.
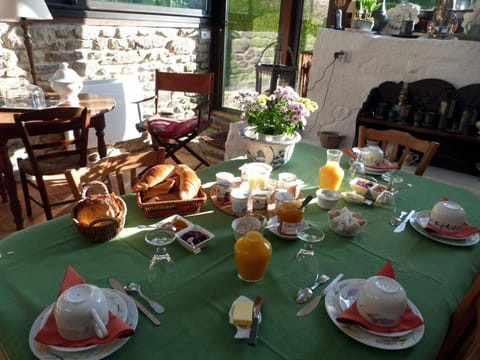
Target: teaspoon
{"x": 395, "y": 221}
{"x": 134, "y": 287}
{"x": 306, "y": 293}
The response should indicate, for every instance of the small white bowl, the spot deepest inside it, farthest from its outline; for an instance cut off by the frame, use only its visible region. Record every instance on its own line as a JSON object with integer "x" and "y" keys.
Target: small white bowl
{"x": 327, "y": 199}
{"x": 199, "y": 237}
{"x": 382, "y": 301}
{"x": 447, "y": 216}
{"x": 244, "y": 224}
{"x": 376, "y": 190}
{"x": 361, "y": 185}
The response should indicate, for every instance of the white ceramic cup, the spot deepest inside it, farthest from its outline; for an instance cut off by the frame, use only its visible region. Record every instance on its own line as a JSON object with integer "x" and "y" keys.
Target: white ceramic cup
{"x": 382, "y": 301}
{"x": 246, "y": 223}
{"x": 327, "y": 199}
{"x": 81, "y": 312}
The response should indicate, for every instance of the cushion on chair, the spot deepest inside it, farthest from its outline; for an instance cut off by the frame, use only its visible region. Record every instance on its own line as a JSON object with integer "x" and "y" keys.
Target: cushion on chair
{"x": 172, "y": 128}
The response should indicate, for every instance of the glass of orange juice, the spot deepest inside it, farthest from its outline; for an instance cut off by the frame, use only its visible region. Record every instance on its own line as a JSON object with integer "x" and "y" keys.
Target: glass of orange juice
{"x": 289, "y": 217}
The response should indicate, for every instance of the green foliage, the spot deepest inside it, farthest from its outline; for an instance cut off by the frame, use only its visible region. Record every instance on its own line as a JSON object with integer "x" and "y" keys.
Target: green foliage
{"x": 365, "y": 8}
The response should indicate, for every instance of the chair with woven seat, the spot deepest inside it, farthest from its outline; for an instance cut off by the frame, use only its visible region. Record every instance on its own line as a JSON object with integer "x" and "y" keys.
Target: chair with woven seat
{"x": 118, "y": 172}
{"x": 51, "y": 150}
{"x": 171, "y": 130}
{"x": 400, "y": 144}
{"x": 463, "y": 337}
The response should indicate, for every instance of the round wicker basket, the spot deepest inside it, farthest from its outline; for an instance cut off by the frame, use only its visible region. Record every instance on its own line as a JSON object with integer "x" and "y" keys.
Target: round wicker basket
{"x": 102, "y": 229}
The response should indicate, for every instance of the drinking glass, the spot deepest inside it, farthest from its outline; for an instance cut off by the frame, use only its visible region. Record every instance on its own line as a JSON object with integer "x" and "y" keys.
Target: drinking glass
{"x": 357, "y": 167}
{"x": 161, "y": 266}
{"x": 304, "y": 266}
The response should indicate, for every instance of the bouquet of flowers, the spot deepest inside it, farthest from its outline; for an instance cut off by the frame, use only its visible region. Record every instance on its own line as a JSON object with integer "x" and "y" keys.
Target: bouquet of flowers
{"x": 280, "y": 113}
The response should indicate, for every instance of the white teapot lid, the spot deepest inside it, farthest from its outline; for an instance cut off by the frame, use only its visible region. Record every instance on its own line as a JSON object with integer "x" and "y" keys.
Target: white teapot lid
{"x": 65, "y": 75}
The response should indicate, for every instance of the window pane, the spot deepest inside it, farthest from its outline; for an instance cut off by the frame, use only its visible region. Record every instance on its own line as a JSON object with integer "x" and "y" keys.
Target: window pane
{"x": 252, "y": 26}
{"x": 187, "y": 4}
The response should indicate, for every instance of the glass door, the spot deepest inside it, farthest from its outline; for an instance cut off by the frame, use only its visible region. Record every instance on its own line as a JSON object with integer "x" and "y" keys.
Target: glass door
{"x": 250, "y": 30}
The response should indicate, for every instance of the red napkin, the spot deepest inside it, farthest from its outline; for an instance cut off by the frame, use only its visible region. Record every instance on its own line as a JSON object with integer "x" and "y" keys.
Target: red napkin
{"x": 49, "y": 335}
{"x": 409, "y": 319}
{"x": 464, "y": 232}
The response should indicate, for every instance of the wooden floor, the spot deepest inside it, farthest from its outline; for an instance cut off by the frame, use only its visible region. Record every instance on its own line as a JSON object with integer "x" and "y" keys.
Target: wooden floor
{"x": 58, "y": 189}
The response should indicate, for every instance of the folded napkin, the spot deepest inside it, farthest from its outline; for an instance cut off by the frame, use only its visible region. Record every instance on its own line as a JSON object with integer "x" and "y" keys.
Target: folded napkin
{"x": 409, "y": 319}
{"x": 49, "y": 335}
{"x": 464, "y": 232}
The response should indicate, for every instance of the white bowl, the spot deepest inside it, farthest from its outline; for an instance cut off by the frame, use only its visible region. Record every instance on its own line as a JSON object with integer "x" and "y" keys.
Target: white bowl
{"x": 382, "y": 301}
{"x": 199, "y": 237}
{"x": 327, "y": 199}
{"x": 376, "y": 190}
{"x": 447, "y": 216}
{"x": 244, "y": 224}
{"x": 81, "y": 312}
{"x": 361, "y": 185}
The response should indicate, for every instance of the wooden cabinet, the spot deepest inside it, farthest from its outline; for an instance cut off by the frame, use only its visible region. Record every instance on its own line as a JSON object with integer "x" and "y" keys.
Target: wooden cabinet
{"x": 430, "y": 109}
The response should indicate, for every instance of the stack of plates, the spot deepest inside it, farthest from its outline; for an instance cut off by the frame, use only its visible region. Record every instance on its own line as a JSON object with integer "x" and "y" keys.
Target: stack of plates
{"x": 119, "y": 304}
{"x": 343, "y": 295}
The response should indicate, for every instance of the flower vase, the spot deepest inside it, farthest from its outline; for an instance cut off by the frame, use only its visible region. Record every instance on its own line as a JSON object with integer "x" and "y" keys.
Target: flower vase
{"x": 380, "y": 17}
{"x": 273, "y": 152}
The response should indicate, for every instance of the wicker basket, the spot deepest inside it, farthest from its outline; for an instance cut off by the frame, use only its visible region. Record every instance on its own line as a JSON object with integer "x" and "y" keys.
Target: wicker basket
{"x": 172, "y": 207}
{"x": 110, "y": 227}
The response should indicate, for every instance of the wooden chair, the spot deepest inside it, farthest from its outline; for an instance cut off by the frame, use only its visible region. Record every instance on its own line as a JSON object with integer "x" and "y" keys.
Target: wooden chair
{"x": 174, "y": 132}
{"x": 50, "y": 151}
{"x": 463, "y": 337}
{"x": 117, "y": 172}
{"x": 402, "y": 143}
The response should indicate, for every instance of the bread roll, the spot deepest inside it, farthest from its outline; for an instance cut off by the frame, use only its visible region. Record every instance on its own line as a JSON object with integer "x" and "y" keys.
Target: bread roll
{"x": 98, "y": 206}
{"x": 189, "y": 182}
{"x": 153, "y": 176}
{"x": 159, "y": 189}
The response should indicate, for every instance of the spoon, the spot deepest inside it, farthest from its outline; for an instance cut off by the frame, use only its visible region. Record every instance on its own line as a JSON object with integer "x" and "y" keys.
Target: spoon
{"x": 305, "y": 202}
{"x": 134, "y": 287}
{"x": 395, "y": 221}
{"x": 306, "y": 293}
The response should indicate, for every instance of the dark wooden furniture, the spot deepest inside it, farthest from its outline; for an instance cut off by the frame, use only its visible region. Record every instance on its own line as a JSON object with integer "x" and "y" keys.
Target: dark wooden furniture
{"x": 54, "y": 154}
{"x": 98, "y": 104}
{"x": 453, "y": 113}
{"x": 401, "y": 144}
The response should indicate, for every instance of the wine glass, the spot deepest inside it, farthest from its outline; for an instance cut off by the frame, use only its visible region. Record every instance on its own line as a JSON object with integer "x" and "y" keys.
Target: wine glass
{"x": 304, "y": 266}
{"x": 357, "y": 167}
{"x": 160, "y": 269}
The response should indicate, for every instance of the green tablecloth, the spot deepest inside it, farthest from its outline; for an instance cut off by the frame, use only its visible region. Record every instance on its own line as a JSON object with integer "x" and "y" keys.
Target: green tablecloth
{"x": 195, "y": 325}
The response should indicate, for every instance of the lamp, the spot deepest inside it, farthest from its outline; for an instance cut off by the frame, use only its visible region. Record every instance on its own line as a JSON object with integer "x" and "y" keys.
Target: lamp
{"x": 26, "y": 10}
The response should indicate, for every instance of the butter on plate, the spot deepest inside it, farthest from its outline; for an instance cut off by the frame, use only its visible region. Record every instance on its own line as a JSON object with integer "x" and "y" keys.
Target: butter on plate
{"x": 242, "y": 313}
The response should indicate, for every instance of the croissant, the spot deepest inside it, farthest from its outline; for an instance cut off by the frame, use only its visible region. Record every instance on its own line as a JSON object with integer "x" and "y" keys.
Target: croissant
{"x": 189, "y": 182}
{"x": 153, "y": 176}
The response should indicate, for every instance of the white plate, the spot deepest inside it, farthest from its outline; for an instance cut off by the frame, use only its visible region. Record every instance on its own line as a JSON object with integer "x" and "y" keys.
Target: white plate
{"x": 45, "y": 352}
{"x": 334, "y": 308}
{"x": 420, "y": 220}
{"x": 242, "y": 333}
{"x": 172, "y": 218}
{"x": 347, "y": 297}
{"x": 273, "y": 229}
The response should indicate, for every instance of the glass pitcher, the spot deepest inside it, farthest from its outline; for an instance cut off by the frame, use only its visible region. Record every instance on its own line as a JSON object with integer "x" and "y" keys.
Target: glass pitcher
{"x": 331, "y": 174}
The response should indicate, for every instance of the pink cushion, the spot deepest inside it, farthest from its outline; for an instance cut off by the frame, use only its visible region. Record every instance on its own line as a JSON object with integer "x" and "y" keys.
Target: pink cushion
{"x": 172, "y": 128}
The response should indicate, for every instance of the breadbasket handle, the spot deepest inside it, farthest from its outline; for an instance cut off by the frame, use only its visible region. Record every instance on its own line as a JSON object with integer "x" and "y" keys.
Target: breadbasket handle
{"x": 94, "y": 182}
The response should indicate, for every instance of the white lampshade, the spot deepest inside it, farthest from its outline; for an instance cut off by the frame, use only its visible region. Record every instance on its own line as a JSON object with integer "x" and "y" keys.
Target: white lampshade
{"x": 27, "y": 9}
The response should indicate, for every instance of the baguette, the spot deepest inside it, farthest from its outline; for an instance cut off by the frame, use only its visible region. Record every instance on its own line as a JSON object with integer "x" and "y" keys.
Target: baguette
{"x": 159, "y": 189}
{"x": 153, "y": 176}
{"x": 189, "y": 182}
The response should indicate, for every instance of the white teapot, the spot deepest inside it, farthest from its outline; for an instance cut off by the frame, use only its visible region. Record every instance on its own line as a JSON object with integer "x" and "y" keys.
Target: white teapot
{"x": 372, "y": 155}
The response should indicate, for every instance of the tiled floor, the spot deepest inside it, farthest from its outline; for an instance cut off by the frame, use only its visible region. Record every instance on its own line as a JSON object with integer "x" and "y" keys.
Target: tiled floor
{"x": 59, "y": 189}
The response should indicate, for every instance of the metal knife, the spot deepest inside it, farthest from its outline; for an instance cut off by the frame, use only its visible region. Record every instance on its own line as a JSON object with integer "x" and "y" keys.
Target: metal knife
{"x": 114, "y": 283}
{"x": 307, "y": 309}
{"x": 257, "y": 303}
{"x": 402, "y": 225}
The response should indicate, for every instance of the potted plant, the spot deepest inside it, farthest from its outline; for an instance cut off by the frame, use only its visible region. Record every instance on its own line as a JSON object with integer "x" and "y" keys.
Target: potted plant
{"x": 363, "y": 19}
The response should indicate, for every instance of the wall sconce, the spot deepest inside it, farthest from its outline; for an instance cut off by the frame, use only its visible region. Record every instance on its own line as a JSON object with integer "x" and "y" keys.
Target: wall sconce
{"x": 25, "y": 10}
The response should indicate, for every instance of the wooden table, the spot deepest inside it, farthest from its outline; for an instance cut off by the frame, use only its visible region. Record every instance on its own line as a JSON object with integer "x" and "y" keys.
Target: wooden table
{"x": 98, "y": 104}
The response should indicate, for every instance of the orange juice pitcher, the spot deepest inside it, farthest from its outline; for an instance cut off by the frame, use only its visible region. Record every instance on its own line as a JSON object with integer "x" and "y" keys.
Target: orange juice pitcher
{"x": 331, "y": 174}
